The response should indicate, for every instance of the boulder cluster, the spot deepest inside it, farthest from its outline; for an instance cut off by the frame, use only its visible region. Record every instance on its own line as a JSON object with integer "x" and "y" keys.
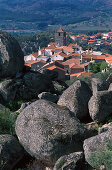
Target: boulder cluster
{"x": 50, "y": 128}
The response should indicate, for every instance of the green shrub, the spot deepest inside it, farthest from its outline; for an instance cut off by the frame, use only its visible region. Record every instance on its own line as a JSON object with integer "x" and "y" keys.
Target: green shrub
{"x": 103, "y": 66}
{"x": 14, "y": 105}
{"x": 7, "y": 121}
{"x": 100, "y": 158}
{"x": 60, "y": 164}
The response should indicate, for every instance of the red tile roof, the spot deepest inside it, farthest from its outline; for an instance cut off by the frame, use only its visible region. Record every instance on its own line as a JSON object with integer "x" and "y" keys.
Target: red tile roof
{"x": 60, "y": 53}
{"x": 54, "y": 67}
{"x": 60, "y": 30}
{"x": 35, "y": 54}
{"x": 81, "y": 74}
{"x": 94, "y": 57}
{"x": 72, "y": 61}
{"x": 51, "y": 47}
{"x": 74, "y": 54}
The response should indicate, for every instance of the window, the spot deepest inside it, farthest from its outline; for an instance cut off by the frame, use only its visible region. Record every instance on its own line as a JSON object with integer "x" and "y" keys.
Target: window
{"x": 59, "y": 34}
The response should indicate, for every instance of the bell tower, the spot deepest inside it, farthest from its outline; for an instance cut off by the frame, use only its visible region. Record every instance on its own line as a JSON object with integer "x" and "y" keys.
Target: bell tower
{"x": 60, "y": 37}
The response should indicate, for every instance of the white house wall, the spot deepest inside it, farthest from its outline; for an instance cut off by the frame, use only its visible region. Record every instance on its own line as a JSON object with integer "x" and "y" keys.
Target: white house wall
{"x": 57, "y": 57}
{"x": 30, "y": 57}
{"x": 48, "y": 52}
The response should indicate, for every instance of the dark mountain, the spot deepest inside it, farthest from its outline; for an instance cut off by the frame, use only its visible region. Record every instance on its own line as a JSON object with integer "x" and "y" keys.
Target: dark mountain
{"x": 54, "y": 12}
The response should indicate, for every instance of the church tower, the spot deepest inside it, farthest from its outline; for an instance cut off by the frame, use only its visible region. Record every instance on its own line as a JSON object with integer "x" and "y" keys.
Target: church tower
{"x": 60, "y": 37}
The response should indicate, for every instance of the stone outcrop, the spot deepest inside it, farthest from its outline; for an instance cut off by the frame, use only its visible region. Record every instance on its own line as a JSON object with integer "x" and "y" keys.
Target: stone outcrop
{"x": 72, "y": 161}
{"x": 76, "y": 98}
{"x": 109, "y": 79}
{"x": 48, "y": 96}
{"x": 110, "y": 87}
{"x": 51, "y": 74}
{"x": 100, "y": 106}
{"x": 48, "y": 131}
{"x": 98, "y": 85}
{"x": 10, "y": 152}
{"x": 33, "y": 84}
{"x": 11, "y": 56}
{"x": 8, "y": 89}
{"x": 105, "y": 128}
{"x": 96, "y": 144}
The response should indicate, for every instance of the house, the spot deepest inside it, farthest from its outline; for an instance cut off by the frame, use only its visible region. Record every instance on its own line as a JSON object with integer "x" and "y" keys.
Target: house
{"x": 35, "y": 65}
{"x": 58, "y": 56}
{"x": 41, "y": 57}
{"x": 69, "y": 63}
{"x": 92, "y": 58}
{"x": 53, "y": 44}
{"x": 56, "y": 66}
{"x": 30, "y": 57}
{"x": 41, "y": 51}
{"x": 53, "y": 63}
{"x": 49, "y": 51}
{"x": 75, "y": 68}
{"x": 74, "y": 55}
{"x": 60, "y": 71}
{"x": 105, "y": 36}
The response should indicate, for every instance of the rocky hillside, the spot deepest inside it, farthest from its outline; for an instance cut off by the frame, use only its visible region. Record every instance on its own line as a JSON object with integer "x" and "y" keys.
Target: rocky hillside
{"x": 72, "y": 130}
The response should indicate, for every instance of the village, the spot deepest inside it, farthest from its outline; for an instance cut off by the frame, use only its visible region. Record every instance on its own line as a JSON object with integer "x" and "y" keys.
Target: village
{"x": 72, "y": 60}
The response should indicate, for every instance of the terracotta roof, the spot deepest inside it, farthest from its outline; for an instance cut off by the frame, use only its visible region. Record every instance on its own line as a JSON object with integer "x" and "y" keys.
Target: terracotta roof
{"x": 42, "y": 49}
{"x": 29, "y": 65}
{"x": 71, "y": 61}
{"x": 69, "y": 49}
{"x": 66, "y": 48}
{"x": 81, "y": 74}
{"x": 30, "y": 62}
{"x": 74, "y": 54}
{"x": 59, "y": 62}
{"x": 75, "y": 75}
{"x": 92, "y": 40}
{"x": 85, "y": 74}
{"x": 48, "y": 64}
{"x": 51, "y": 47}
{"x": 60, "y": 53}
{"x": 85, "y": 64}
{"x": 109, "y": 61}
{"x": 94, "y": 57}
{"x": 75, "y": 66}
{"x": 35, "y": 54}
{"x": 73, "y": 45}
{"x": 53, "y": 67}
{"x": 60, "y": 30}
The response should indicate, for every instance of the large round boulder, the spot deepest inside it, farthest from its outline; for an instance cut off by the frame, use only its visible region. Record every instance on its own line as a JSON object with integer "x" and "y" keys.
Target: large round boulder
{"x": 8, "y": 89}
{"x": 11, "y": 152}
{"x": 100, "y": 106}
{"x": 48, "y": 131}
{"x": 76, "y": 98}
{"x": 33, "y": 84}
{"x": 95, "y": 144}
{"x": 11, "y": 56}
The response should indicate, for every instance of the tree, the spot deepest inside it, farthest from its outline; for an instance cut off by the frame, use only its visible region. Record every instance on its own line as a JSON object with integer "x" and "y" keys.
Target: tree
{"x": 103, "y": 66}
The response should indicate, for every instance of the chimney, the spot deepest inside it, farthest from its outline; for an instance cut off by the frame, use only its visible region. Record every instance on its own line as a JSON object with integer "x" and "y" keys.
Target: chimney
{"x": 88, "y": 51}
{"x": 81, "y": 58}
